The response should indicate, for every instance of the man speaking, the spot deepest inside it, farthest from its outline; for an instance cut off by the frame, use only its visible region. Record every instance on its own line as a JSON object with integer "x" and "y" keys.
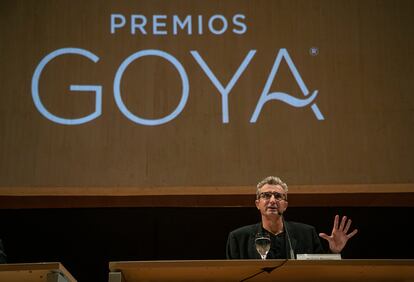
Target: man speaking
{"x": 286, "y": 238}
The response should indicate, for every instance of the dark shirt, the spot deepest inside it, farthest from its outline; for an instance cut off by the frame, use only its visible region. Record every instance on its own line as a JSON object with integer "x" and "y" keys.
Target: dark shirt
{"x": 277, "y": 246}
{"x": 303, "y": 238}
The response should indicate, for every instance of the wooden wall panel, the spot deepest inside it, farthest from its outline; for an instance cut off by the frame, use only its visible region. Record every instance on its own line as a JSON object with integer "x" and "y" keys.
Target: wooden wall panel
{"x": 363, "y": 74}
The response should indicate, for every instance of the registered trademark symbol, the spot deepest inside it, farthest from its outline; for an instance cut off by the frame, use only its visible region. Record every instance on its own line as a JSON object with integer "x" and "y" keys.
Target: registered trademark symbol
{"x": 313, "y": 51}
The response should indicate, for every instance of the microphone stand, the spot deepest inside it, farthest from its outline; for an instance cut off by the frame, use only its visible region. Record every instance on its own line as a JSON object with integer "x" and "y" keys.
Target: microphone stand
{"x": 291, "y": 252}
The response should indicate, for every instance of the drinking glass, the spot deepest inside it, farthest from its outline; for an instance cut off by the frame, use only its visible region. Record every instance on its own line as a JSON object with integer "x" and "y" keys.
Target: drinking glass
{"x": 262, "y": 241}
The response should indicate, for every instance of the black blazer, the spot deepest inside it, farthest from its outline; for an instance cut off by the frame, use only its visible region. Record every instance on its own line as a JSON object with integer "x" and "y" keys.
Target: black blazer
{"x": 2, "y": 254}
{"x": 240, "y": 242}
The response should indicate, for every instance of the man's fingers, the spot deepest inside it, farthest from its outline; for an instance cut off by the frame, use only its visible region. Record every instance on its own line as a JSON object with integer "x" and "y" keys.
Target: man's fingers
{"x": 342, "y": 226}
{"x": 350, "y": 235}
{"x": 324, "y": 236}
{"x": 336, "y": 221}
{"x": 348, "y": 224}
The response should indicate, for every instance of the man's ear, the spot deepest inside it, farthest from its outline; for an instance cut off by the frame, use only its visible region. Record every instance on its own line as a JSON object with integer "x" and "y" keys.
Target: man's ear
{"x": 257, "y": 204}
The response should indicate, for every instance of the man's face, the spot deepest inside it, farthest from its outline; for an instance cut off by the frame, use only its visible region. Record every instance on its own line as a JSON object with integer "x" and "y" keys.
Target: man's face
{"x": 273, "y": 200}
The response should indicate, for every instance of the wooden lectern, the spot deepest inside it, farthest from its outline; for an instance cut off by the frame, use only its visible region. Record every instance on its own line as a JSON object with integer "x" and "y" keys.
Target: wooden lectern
{"x": 258, "y": 270}
{"x": 35, "y": 272}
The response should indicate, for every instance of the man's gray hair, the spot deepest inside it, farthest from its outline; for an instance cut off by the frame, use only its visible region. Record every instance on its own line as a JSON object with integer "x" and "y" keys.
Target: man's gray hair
{"x": 271, "y": 180}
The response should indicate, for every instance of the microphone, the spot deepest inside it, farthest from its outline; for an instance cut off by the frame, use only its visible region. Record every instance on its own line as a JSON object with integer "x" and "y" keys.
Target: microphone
{"x": 291, "y": 252}
{"x": 277, "y": 211}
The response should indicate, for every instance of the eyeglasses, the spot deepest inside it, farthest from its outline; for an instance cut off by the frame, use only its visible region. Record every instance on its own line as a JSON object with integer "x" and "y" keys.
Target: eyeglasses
{"x": 278, "y": 196}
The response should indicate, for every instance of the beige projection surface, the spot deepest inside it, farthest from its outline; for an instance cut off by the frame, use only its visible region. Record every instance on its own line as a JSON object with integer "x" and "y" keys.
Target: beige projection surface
{"x": 337, "y": 109}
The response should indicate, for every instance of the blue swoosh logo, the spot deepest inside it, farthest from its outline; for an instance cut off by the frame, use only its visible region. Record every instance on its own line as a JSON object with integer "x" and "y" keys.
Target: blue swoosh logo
{"x": 293, "y": 101}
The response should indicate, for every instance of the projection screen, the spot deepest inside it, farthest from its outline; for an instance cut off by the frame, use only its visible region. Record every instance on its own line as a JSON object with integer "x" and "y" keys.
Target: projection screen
{"x": 184, "y": 98}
